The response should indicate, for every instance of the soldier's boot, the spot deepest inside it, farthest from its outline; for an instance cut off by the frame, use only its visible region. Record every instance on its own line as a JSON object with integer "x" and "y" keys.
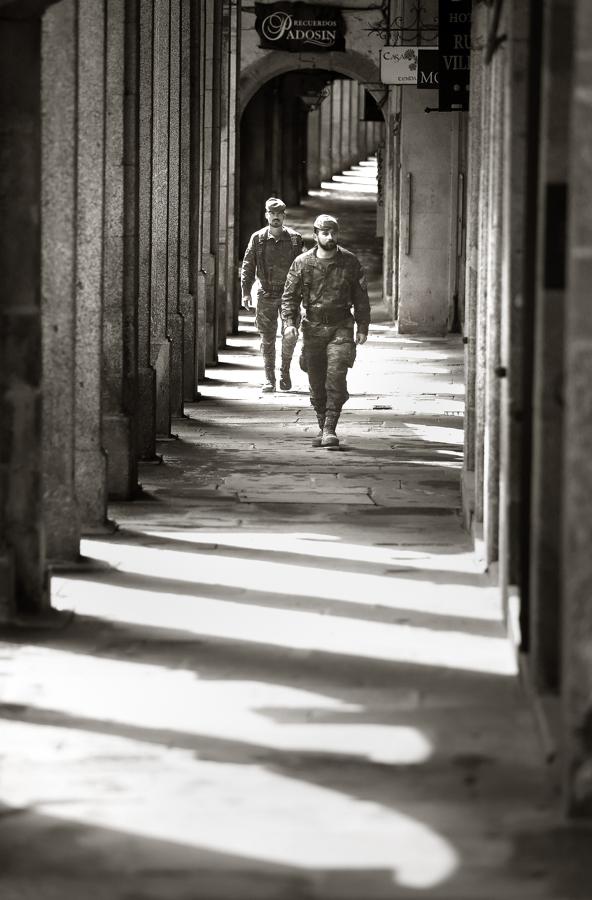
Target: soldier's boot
{"x": 269, "y": 383}
{"x": 318, "y": 439}
{"x": 285, "y": 380}
{"x": 329, "y": 439}
{"x": 269, "y": 366}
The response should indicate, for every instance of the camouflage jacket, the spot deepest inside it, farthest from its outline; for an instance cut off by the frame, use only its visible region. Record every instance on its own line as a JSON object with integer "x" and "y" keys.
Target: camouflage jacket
{"x": 269, "y": 260}
{"x": 326, "y": 291}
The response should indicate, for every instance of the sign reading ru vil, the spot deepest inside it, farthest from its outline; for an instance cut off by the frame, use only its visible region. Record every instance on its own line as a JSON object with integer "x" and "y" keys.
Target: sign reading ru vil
{"x": 454, "y": 42}
{"x": 298, "y": 26}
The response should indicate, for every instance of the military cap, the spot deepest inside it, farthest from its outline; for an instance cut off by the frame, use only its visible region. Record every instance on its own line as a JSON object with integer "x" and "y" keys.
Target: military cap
{"x": 325, "y": 221}
{"x": 274, "y": 203}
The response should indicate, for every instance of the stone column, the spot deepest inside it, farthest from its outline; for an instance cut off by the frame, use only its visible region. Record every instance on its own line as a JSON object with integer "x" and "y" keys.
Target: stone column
{"x": 91, "y": 461}
{"x": 426, "y": 204}
{"x": 131, "y": 151}
{"x": 326, "y": 130}
{"x": 174, "y": 317}
{"x": 336, "y": 161}
{"x": 58, "y": 266}
{"x": 391, "y": 197}
{"x": 223, "y": 88}
{"x": 353, "y": 126}
{"x": 160, "y": 347}
{"x": 313, "y": 149}
{"x": 208, "y": 176}
{"x": 346, "y": 87}
{"x": 482, "y": 263}
{"x": 146, "y": 416}
{"x": 491, "y": 470}
{"x": 472, "y": 253}
{"x": 21, "y": 535}
{"x": 189, "y": 149}
{"x": 513, "y": 325}
{"x": 232, "y": 280}
{"x": 362, "y": 125}
{"x": 547, "y": 487}
{"x": 290, "y": 118}
{"x": 577, "y": 471}
{"x": 117, "y": 432}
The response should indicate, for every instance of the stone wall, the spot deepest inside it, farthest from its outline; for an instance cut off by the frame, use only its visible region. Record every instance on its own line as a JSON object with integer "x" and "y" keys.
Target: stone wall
{"x": 118, "y": 161}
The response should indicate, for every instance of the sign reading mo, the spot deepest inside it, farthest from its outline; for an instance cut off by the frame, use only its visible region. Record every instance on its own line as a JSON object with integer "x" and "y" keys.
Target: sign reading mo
{"x": 298, "y": 26}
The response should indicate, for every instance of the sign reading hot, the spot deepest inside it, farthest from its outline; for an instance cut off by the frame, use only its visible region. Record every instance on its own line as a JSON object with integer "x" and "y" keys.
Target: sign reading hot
{"x": 298, "y": 26}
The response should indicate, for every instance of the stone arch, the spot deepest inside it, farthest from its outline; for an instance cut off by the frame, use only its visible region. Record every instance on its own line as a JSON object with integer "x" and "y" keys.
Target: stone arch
{"x": 352, "y": 64}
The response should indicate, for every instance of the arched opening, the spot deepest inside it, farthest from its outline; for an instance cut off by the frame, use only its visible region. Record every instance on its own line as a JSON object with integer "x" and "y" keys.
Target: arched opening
{"x": 298, "y": 129}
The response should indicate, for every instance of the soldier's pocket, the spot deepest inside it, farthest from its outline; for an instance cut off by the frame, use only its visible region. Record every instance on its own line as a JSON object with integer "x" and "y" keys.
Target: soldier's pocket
{"x": 303, "y": 362}
{"x": 347, "y": 349}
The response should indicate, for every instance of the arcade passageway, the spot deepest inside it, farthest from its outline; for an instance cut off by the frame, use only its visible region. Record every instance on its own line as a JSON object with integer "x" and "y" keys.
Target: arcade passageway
{"x": 285, "y": 674}
{"x": 234, "y": 666}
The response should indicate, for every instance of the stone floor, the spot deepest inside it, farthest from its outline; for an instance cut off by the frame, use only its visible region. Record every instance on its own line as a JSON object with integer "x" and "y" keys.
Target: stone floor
{"x": 284, "y": 677}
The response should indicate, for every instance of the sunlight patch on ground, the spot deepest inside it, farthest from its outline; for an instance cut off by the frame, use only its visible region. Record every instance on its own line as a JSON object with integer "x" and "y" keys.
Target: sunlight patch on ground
{"x": 224, "y": 597}
{"x": 252, "y": 811}
{"x": 331, "y": 546}
{"x": 428, "y": 593}
{"x": 175, "y": 702}
{"x": 345, "y": 188}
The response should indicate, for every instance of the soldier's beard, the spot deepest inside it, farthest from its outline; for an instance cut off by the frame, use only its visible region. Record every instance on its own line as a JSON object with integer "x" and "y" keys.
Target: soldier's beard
{"x": 329, "y": 244}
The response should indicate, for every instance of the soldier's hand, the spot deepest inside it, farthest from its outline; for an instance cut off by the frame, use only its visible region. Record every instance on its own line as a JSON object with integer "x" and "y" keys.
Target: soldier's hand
{"x": 361, "y": 338}
{"x": 291, "y": 330}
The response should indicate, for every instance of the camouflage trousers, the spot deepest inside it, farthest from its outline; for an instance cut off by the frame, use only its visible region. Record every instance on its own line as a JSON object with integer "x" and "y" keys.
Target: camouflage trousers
{"x": 328, "y": 351}
{"x": 266, "y": 322}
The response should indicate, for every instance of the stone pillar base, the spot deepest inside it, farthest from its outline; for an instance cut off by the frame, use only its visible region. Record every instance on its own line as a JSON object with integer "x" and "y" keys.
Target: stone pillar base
{"x": 187, "y": 303}
{"x": 91, "y": 481}
{"x": 146, "y": 427}
{"x": 62, "y": 525}
{"x": 106, "y": 527}
{"x": 201, "y": 324}
{"x": 121, "y": 463}
{"x": 7, "y": 607}
{"x": 176, "y": 329}
{"x": 162, "y": 368}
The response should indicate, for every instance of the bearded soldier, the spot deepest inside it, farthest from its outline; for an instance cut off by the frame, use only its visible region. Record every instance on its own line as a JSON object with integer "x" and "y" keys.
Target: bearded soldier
{"x": 327, "y": 281}
{"x": 268, "y": 257}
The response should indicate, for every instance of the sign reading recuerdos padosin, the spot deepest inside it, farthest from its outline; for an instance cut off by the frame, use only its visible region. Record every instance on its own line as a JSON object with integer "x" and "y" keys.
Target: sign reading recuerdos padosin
{"x": 298, "y": 26}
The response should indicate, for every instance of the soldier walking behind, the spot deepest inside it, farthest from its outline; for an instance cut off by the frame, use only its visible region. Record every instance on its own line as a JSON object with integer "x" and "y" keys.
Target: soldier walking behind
{"x": 268, "y": 257}
{"x": 327, "y": 281}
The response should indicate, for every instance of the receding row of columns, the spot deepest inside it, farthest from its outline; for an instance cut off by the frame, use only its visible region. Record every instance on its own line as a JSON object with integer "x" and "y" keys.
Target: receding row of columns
{"x": 338, "y": 135}
{"x": 527, "y": 479}
{"x": 118, "y": 145}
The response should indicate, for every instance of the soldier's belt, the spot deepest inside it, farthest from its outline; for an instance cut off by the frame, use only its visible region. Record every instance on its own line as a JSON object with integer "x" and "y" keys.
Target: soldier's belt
{"x": 327, "y": 316}
{"x": 275, "y": 293}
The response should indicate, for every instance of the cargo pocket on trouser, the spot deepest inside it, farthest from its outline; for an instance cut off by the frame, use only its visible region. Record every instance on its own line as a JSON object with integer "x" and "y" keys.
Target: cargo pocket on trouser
{"x": 345, "y": 349}
{"x": 303, "y": 361}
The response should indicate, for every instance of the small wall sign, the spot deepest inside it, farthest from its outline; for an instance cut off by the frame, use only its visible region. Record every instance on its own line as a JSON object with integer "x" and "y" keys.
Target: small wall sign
{"x": 398, "y": 65}
{"x": 298, "y": 26}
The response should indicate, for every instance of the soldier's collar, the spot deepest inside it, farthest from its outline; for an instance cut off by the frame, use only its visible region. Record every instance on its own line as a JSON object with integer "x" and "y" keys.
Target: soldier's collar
{"x": 270, "y": 236}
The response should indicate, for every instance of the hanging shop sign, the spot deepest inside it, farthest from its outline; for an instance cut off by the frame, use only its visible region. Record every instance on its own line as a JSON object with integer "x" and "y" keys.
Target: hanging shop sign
{"x": 428, "y": 66}
{"x": 298, "y": 26}
{"x": 398, "y": 65}
{"x": 418, "y": 66}
{"x": 454, "y": 41}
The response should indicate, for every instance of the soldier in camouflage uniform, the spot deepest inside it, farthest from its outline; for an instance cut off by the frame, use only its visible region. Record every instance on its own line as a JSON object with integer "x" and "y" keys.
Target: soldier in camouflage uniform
{"x": 327, "y": 281}
{"x": 268, "y": 257}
